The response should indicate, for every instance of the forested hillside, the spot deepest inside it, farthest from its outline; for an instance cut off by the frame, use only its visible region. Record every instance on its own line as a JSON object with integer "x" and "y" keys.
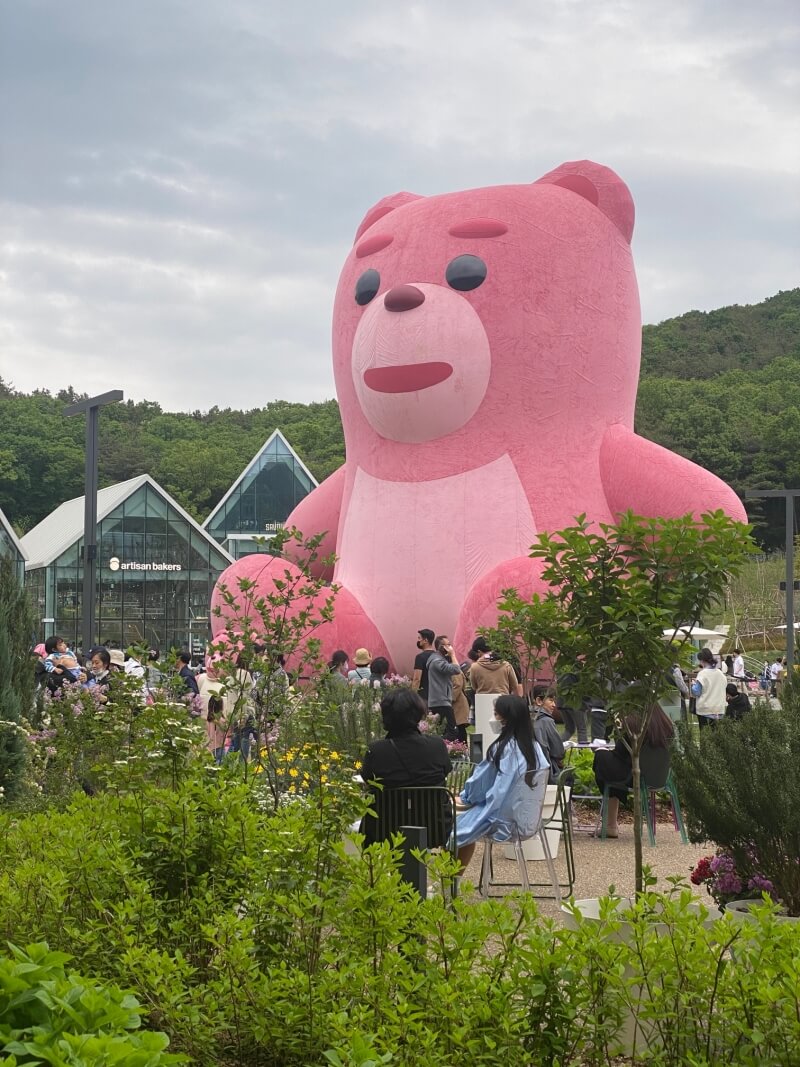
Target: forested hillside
{"x": 702, "y": 344}
{"x": 195, "y": 456}
{"x": 721, "y": 387}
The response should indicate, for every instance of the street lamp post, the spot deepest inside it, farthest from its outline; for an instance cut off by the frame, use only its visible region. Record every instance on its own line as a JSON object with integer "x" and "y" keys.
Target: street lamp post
{"x": 789, "y": 495}
{"x": 91, "y": 407}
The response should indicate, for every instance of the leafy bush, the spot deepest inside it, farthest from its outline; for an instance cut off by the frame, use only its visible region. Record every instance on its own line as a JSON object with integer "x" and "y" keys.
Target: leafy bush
{"x": 582, "y": 763}
{"x": 49, "y": 1016}
{"x": 740, "y": 785}
{"x": 79, "y": 742}
{"x": 257, "y": 938}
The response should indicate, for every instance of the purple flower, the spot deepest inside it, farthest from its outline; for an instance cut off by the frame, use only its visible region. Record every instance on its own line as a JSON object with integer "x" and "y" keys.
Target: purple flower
{"x": 729, "y": 883}
{"x": 759, "y": 884}
{"x": 723, "y": 864}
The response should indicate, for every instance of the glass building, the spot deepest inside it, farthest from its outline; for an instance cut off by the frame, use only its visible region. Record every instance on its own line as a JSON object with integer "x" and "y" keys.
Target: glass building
{"x": 261, "y": 499}
{"x": 11, "y": 547}
{"x": 156, "y": 569}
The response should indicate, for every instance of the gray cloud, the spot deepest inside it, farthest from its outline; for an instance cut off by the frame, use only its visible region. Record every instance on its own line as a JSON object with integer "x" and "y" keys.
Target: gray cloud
{"x": 181, "y": 180}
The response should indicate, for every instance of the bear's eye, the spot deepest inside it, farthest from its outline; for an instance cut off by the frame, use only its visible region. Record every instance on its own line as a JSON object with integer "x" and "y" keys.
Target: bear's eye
{"x": 367, "y": 286}
{"x": 465, "y": 272}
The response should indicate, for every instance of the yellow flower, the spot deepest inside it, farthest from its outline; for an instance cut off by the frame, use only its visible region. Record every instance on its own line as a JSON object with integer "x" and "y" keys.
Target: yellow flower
{"x": 335, "y": 755}
{"x": 293, "y": 772}
{"x": 324, "y": 779}
{"x": 357, "y": 765}
{"x": 292, "y": 789}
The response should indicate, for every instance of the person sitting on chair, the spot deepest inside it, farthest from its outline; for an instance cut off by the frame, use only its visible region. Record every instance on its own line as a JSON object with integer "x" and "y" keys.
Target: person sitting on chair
{"x": 490, "y": 793}
{"x": 614, "y": 768}
{"x": 544, "y": 729}
{"x": 405, "y": 756}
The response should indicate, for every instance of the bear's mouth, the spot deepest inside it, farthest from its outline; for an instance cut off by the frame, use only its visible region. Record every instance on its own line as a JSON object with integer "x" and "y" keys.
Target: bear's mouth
{"x": 407, "y": 377}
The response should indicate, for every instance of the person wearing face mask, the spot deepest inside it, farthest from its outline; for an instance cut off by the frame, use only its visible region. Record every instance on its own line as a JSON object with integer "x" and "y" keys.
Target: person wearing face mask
{"x": 442, "y": 667}
{"x": 101, "y": 673}
{"x": 419, "y": 681}
{"x": 499, "y": 794}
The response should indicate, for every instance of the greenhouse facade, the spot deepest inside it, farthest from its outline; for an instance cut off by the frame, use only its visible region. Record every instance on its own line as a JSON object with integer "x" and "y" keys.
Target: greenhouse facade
{"x": 261, "y": 499}
{"x": 156, "y": 569}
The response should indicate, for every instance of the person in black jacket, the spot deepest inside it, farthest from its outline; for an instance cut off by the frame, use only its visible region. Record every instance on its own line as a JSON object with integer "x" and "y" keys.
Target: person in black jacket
{"x": 187, "y": 674}
{"x": 737, "y": 703}
{"x": 405, "y": 756}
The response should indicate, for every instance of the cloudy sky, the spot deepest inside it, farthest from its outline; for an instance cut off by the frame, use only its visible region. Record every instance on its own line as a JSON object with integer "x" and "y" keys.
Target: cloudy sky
{"x": 180, "y": 180}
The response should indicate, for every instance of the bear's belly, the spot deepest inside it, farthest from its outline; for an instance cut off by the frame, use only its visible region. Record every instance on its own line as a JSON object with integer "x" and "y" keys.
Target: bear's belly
{"x": 410, "y": 551}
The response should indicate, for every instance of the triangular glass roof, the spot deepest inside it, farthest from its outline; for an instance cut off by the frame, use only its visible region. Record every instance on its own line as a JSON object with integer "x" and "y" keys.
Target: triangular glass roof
{"x": 265, "y": 493}
{"x": 10, "y": 545}
{"x": 63, "y": 528}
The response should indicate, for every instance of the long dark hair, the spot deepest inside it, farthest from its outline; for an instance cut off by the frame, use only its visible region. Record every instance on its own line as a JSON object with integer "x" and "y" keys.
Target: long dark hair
{"x": 516, "y": 719}
{"x": 660, "y": 729}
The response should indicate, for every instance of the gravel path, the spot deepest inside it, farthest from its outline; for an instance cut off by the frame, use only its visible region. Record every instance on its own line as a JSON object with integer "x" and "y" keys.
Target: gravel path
{"x": 600, "y": 864}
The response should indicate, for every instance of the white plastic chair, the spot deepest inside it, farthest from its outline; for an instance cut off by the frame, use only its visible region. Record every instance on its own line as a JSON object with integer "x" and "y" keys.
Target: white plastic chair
{"x": 533, "y": 800}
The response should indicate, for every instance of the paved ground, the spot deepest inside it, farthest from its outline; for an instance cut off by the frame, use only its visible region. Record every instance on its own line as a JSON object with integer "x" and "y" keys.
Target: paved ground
{"x": 600, "y": 864}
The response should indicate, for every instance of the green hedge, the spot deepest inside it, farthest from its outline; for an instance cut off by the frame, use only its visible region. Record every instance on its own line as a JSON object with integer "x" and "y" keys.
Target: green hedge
{"x": 258, "y": 939}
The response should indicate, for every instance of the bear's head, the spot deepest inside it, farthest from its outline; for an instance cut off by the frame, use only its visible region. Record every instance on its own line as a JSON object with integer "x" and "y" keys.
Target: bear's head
{"x": 464, "y": 321}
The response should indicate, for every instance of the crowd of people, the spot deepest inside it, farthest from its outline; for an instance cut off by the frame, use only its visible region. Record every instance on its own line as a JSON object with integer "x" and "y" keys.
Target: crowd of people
{"x": 532, "y": 733}
{"x": 532, "y": 736}
{"x": 55, "y": 664}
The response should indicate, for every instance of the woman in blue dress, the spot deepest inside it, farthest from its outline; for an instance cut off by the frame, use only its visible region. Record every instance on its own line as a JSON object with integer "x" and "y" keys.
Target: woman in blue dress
{"x": 500, "y": 793}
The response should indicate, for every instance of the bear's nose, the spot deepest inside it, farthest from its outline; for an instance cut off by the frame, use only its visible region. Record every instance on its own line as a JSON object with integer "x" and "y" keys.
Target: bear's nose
{"x": 403, "y": 298}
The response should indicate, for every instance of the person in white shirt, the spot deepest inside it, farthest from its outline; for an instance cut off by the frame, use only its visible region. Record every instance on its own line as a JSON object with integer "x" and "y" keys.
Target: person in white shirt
{"x": 738, "y": 669}
{"x": 709, "y": 689}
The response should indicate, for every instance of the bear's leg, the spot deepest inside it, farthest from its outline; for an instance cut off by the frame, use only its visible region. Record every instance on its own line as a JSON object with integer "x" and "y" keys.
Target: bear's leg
{"x": 257, "y": 577}
{"x": 480, "y": 604}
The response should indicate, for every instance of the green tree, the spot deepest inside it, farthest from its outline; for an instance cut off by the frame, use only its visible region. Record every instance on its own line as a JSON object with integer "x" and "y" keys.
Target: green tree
{"x": 16, "y": 679}
{"x": 614, "y": 592}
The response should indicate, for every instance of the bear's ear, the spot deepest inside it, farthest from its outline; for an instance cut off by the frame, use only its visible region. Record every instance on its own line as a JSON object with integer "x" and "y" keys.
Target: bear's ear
{"x": 600, "y": 186}
{"x": 383, "y": 207}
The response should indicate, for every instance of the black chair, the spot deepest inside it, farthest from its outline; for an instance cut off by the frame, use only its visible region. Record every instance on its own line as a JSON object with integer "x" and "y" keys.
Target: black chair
{"x": 431, "y": 806}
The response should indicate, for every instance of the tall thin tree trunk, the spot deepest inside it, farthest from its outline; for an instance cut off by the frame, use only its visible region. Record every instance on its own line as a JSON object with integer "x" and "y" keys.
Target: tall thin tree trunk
{"x": 637, "y": 816}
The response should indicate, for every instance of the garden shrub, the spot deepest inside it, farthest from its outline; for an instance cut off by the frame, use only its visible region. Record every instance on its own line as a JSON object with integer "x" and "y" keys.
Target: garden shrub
{"x": 16, "y": 679}
{"x": 256, "y": 938}
{"x": 740, "y": 787}
{"x": 50, "y": 1016}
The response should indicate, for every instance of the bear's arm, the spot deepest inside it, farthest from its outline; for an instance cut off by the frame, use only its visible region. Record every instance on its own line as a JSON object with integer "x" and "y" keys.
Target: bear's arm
{"x": 652, "y": 481}
{"x": 319, "y": 512}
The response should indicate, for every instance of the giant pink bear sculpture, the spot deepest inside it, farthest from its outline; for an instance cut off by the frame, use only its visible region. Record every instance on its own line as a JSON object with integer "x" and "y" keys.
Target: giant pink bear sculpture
{"x": 486, "y": 351}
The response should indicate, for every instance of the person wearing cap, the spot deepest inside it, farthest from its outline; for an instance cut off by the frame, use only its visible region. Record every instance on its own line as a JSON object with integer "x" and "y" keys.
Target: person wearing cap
{"x": 361, "y": 672}
{"x": 117, "y": 657}
{"x": 419, "y": 680}
{"x": 708, "y": 688}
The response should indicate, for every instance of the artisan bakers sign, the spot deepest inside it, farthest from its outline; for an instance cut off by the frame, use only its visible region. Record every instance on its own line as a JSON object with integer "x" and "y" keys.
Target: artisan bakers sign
{"x": 116, "y": 564}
